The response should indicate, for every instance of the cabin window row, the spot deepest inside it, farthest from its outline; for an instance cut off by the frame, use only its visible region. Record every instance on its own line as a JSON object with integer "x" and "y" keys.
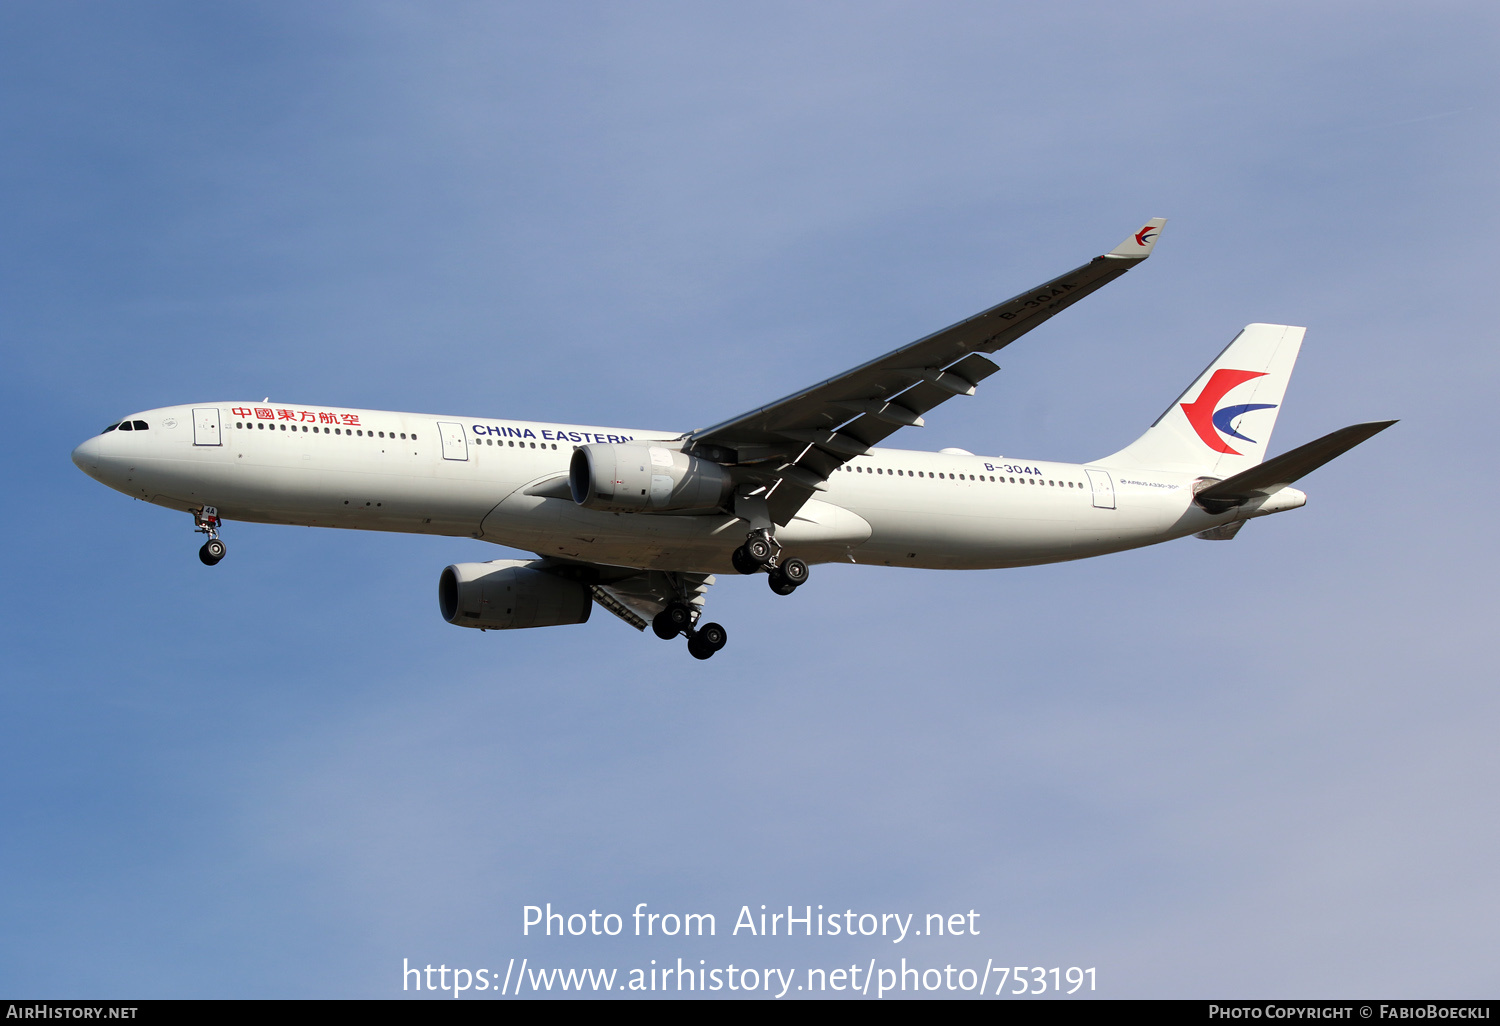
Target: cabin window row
{"x": 502, "y": 443}
{"x": 1002, "y": 479}
{"x": 253, "y": 425}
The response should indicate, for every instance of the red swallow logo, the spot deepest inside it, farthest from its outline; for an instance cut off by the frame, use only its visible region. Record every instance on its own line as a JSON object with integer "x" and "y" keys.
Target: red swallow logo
{"x": 1201, "y": 413}
{"x": 1146, "y": 234}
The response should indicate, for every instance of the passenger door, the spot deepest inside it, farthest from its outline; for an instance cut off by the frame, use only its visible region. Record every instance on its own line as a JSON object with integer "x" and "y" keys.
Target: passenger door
{"x": 206, "y": 427}
{"x": 1104, "y": 489}
{"x": 455, "y": 446}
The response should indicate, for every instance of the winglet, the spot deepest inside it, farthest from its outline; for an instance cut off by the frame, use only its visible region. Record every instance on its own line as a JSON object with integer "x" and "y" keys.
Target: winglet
{"x": 1138, "y": 246}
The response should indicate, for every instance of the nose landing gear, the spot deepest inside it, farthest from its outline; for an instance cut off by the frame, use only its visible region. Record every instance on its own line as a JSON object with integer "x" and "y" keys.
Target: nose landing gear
{"x": 678, "y": 618}
{"x": 206, "y": 521}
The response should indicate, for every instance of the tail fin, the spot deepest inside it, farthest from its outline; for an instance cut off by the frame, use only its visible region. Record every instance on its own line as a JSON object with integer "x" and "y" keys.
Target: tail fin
{"x": 1222, "y": 424}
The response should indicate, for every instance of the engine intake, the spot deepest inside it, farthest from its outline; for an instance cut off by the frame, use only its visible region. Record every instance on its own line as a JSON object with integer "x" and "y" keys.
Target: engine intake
{"x": 508, "y": 594}
{"x": 645, "y": 478}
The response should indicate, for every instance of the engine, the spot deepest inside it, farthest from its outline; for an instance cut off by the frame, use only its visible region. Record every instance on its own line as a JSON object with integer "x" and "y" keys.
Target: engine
{"x": 510, "y": 593}
{"x": 645, "y": 478}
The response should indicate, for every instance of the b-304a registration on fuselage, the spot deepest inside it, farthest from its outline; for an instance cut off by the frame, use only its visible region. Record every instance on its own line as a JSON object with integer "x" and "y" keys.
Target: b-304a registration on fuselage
{"x": 637, "y": 520}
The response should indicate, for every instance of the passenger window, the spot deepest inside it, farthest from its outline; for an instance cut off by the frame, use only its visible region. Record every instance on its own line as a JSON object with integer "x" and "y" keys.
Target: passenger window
{"x": 413, "y": 438}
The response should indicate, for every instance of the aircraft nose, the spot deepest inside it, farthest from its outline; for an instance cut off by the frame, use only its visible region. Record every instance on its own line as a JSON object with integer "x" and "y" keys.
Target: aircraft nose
{"x": 86, "y": 456}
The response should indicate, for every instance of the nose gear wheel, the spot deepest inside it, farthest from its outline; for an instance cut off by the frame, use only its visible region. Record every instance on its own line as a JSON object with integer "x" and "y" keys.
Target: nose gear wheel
{"x": 206, "y": 521}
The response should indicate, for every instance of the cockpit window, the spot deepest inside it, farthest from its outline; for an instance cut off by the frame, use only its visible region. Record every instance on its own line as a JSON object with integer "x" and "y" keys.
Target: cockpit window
{"x": 126, "y": 426}
{"x": 140, "y": 425}
{"x": 109, "y": 429}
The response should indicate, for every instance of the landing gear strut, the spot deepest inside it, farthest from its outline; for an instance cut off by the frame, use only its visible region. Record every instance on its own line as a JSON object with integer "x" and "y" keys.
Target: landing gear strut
{"x": 206, "y": 522}
{"x": 679, "y": 618}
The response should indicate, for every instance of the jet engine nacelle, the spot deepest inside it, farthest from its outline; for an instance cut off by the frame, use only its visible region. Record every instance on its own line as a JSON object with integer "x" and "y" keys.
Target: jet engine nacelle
{"x": 507, "y": 594}
{"x": 645, "y": 478}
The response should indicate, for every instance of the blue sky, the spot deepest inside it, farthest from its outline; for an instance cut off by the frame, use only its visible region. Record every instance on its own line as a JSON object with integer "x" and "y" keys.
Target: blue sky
{"x": 1263, "y": 768}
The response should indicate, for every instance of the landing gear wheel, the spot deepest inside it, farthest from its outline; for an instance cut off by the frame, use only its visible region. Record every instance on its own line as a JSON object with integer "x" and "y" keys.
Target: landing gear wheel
{"x": 795, "y": 571}
{"x": 743, "y": 563}
{"x": 758, "y": 549}
{"x": 676, "y": 619}
{"x": 213, "y": 550}
{"x": 698, "y": 650}
{"x": 711, "y": 636}
{"x": 780, "y": 584}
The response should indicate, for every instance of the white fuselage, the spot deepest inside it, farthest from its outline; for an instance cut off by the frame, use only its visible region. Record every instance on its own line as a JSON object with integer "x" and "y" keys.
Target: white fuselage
{"x": 506, "y": 481}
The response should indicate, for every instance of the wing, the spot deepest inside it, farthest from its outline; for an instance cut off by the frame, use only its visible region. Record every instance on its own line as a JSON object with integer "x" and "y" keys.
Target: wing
{"x": 634, "y": 595}
{"x": 796, "y": 442}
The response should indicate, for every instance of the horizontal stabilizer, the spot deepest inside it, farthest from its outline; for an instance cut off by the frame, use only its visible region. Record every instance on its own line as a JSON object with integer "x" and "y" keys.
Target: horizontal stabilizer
{"x": 1270, "y": 477}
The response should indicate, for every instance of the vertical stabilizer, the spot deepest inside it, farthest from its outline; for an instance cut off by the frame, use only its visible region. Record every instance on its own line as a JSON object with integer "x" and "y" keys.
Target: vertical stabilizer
{"x": 1222, "y": 424}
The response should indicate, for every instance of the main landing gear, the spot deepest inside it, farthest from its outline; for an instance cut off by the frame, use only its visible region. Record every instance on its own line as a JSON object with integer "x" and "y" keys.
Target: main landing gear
{"x": 679, "y": 618}
{"x": 207, "y": 522}
{"x": 760, "y": 552}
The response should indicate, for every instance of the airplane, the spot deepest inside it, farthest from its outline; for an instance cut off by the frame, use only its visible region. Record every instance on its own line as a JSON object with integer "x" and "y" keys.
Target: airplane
{"x": 638, "y": 521}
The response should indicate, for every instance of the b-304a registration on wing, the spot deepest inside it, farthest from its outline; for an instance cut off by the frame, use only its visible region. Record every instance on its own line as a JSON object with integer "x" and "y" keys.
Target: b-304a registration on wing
{"x": 637, "y": 520}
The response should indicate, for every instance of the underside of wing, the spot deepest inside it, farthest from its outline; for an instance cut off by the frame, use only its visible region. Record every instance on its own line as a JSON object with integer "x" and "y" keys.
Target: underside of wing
{"x": 795, "y": 443}
{"x": 635, "y": 595}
